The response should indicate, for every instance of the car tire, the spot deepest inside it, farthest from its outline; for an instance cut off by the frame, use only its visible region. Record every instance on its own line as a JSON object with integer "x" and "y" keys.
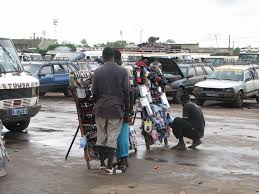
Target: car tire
{"x": 17, "y": 126}
{"x": 257, "y": 99}
{"x": 177, "y": 97}
{"x": 67, "y": 93}
{"x": 199, "y": 102}
{"x": 238, "y": 103}
{"x": 42, "y": 93}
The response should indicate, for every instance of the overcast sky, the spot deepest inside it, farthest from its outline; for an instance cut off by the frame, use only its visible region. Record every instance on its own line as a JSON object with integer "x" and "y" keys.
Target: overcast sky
{"x": 185, "y": 21}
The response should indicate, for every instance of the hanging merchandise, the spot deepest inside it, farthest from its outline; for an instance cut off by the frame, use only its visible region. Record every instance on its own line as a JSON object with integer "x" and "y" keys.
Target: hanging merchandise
{"x": 147, "y": 126}
{"x": 3, "y": 154}
{"x": 143, "y": 90}
{"x": 164, "y": 100}
{"x": 154, "y": 105}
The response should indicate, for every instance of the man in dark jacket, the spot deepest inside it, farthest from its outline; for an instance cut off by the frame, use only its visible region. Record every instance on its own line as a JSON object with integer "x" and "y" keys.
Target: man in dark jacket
{"x": 111, "y": 91}
{"x": 191, "y": 125}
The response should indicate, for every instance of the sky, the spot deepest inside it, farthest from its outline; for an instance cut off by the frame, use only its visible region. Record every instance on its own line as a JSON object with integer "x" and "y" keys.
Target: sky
{"x": 207, "y": 22}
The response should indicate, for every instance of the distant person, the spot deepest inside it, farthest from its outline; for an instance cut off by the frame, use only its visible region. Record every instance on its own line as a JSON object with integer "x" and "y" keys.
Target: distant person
{"x": 191, "y": 125}
{"x": 110, "y": 90}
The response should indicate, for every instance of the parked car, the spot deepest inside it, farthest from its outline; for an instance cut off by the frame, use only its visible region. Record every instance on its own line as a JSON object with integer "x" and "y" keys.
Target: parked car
{"x": 231, "y": 83}
{"x": 184, "y": 78}
{"x": 53, "y": 75}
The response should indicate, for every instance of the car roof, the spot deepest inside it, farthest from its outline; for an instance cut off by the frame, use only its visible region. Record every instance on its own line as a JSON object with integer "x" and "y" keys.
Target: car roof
{"x": 192, "y": 64}
{"x": 41, "y": 63}
{"x": 241, "y": 67}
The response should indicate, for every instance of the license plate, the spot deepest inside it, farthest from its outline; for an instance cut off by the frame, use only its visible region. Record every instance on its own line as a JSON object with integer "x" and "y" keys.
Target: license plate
{"x": 20, "y": 111}
{"x": 212, "y": 94}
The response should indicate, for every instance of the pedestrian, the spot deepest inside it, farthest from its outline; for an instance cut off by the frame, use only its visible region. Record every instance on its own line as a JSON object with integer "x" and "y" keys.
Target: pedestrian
{"x": 111, "y": 93}
{"x": 191, "y": 125}
{"x": 123, "y": 139}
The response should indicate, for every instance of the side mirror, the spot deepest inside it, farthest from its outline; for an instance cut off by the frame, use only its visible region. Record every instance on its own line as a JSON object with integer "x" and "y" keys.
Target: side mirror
{"x": 248, "y": 79}
{"x": 42, "y": 75}
{"x": 189, "y": 76}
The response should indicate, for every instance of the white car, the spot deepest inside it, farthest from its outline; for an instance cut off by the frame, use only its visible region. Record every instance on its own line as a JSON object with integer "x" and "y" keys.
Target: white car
{"x": 231, "y": 83}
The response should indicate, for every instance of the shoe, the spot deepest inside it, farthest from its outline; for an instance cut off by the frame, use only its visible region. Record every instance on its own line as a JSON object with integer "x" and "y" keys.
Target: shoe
{"x": 179, "y": 146}
{"x": 112, "y": 171}
{"x": 101, "y": 167}
{"x": 195, "y": 143}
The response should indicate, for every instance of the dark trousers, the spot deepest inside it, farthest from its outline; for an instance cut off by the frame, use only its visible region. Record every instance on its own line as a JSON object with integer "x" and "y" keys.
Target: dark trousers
{"x": 183, "y": 128}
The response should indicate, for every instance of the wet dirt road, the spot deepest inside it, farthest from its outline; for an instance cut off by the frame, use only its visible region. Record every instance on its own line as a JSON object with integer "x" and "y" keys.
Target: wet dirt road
{"x": 226, "y": 162}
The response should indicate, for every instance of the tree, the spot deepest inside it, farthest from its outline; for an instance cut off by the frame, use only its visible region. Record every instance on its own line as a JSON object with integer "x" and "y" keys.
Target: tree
{"x": 236, "y": 51}
{"x": 170, "y": 41}
{"x": 152, "y": 39}
{"x": 84, "y": 43}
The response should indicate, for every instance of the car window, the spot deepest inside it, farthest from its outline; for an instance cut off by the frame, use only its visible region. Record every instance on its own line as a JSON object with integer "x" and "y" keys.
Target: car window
{"x": 257, "y": 73}
{"x": 46, "y": 70}
{"x": 199, "y": 71}
{"x": 191, "y": 71}
{"x": 208, "y": 69}
{"x": 248, "y": 75}
{"x": 60, "y": 69}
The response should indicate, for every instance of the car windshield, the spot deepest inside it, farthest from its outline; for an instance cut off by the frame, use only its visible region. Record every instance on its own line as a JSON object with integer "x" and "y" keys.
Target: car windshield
{"x": 184, "y": 70}
{"x": 33, "y": 69}
{"x": 227, "y": 74}
{"x": 9, "y": 61}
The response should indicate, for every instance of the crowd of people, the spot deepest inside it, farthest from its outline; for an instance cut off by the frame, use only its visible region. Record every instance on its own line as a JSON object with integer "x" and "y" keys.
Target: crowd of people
{"x": 114, "y": 96}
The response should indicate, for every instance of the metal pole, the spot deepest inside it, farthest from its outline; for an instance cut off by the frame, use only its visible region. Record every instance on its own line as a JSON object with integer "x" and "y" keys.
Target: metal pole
{"x": 72, "y": 142}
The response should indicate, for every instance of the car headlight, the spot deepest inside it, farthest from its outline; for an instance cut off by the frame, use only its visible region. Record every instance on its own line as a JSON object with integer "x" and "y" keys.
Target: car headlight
{"x": 229, "y": 90}
{"x": 197, "y": 89}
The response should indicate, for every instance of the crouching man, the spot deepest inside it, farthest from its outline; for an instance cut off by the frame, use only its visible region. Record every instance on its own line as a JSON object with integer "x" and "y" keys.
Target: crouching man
{"x": 191, "y": 125}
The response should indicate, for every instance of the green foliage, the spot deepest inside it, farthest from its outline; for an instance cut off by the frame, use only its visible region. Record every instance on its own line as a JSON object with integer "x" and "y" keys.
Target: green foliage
{"x": 53, "y": 46}
{"x": 41, "y": 51}
{"x": 84, "y": 43}
{"x": 115, "y": 44}
{"x": 236, "y": 51}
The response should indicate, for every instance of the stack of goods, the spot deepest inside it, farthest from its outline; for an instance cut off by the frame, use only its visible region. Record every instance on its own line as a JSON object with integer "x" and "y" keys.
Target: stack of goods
{"x": 154, "y": 104}
{"x": 3, "y": 154}
{"x": 81, "y": 82}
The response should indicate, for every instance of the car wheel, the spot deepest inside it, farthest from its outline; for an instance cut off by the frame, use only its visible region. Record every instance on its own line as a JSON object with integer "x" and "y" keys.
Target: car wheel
{"x": 257, "y": 99}
{"x": 42, "y": 93}
{"x": 179, "y": 93}
{"x": 239, "y": 100}
{"x": 68, "y": 93}
{"x": 17, "y": 126}
{"x": 199, "y": 102}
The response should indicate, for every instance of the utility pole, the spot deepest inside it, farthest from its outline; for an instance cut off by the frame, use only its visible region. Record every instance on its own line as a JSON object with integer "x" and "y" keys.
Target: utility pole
{"x": 140, "y": 38}
{"x": 229, "y": 43}
{"x": 121, "y": 33}
{"x": 217, "y": 42}
{"x": 233, "y": 45}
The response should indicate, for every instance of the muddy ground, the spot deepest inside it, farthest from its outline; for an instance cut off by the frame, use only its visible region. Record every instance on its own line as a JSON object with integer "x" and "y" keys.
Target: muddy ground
{"x": 226, "y": 162}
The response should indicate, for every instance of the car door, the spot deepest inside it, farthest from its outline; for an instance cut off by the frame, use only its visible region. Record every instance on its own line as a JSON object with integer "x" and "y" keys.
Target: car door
{"x": 256, "y": 80}
{"x": 200, "y": 74}
{"x": 249, "y": 82}
{"x": 46, "y": 78}
{"x": 61, "y": 76}
{"x": 190, "y": 80}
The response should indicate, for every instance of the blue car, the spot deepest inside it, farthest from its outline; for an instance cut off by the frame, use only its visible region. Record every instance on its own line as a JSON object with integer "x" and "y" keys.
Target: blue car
{"x": 53, "y": 75}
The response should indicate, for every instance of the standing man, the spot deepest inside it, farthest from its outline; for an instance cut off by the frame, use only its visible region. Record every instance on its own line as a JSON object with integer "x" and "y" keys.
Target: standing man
{"x": 191, "y": 125}
{"x": 111, "y": 91}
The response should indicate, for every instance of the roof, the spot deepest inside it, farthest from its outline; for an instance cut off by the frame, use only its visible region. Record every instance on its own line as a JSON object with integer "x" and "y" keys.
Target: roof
{"x": 41, "y": 63}
{"x": 241, "y": 67}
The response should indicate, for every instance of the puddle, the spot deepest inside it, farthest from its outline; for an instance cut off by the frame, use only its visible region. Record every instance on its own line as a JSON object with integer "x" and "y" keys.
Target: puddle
{"x": 187, "y": 164}
{"x": 156, "y": 159}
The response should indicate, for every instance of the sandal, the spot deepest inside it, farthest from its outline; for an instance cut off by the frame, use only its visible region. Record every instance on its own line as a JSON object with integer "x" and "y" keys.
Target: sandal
{"x": 112, "y": 171}
{"x": 101, "y": 167}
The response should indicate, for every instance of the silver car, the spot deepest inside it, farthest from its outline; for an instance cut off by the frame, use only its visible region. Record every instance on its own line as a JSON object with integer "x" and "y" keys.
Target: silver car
{"x": 231, "y": 83}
